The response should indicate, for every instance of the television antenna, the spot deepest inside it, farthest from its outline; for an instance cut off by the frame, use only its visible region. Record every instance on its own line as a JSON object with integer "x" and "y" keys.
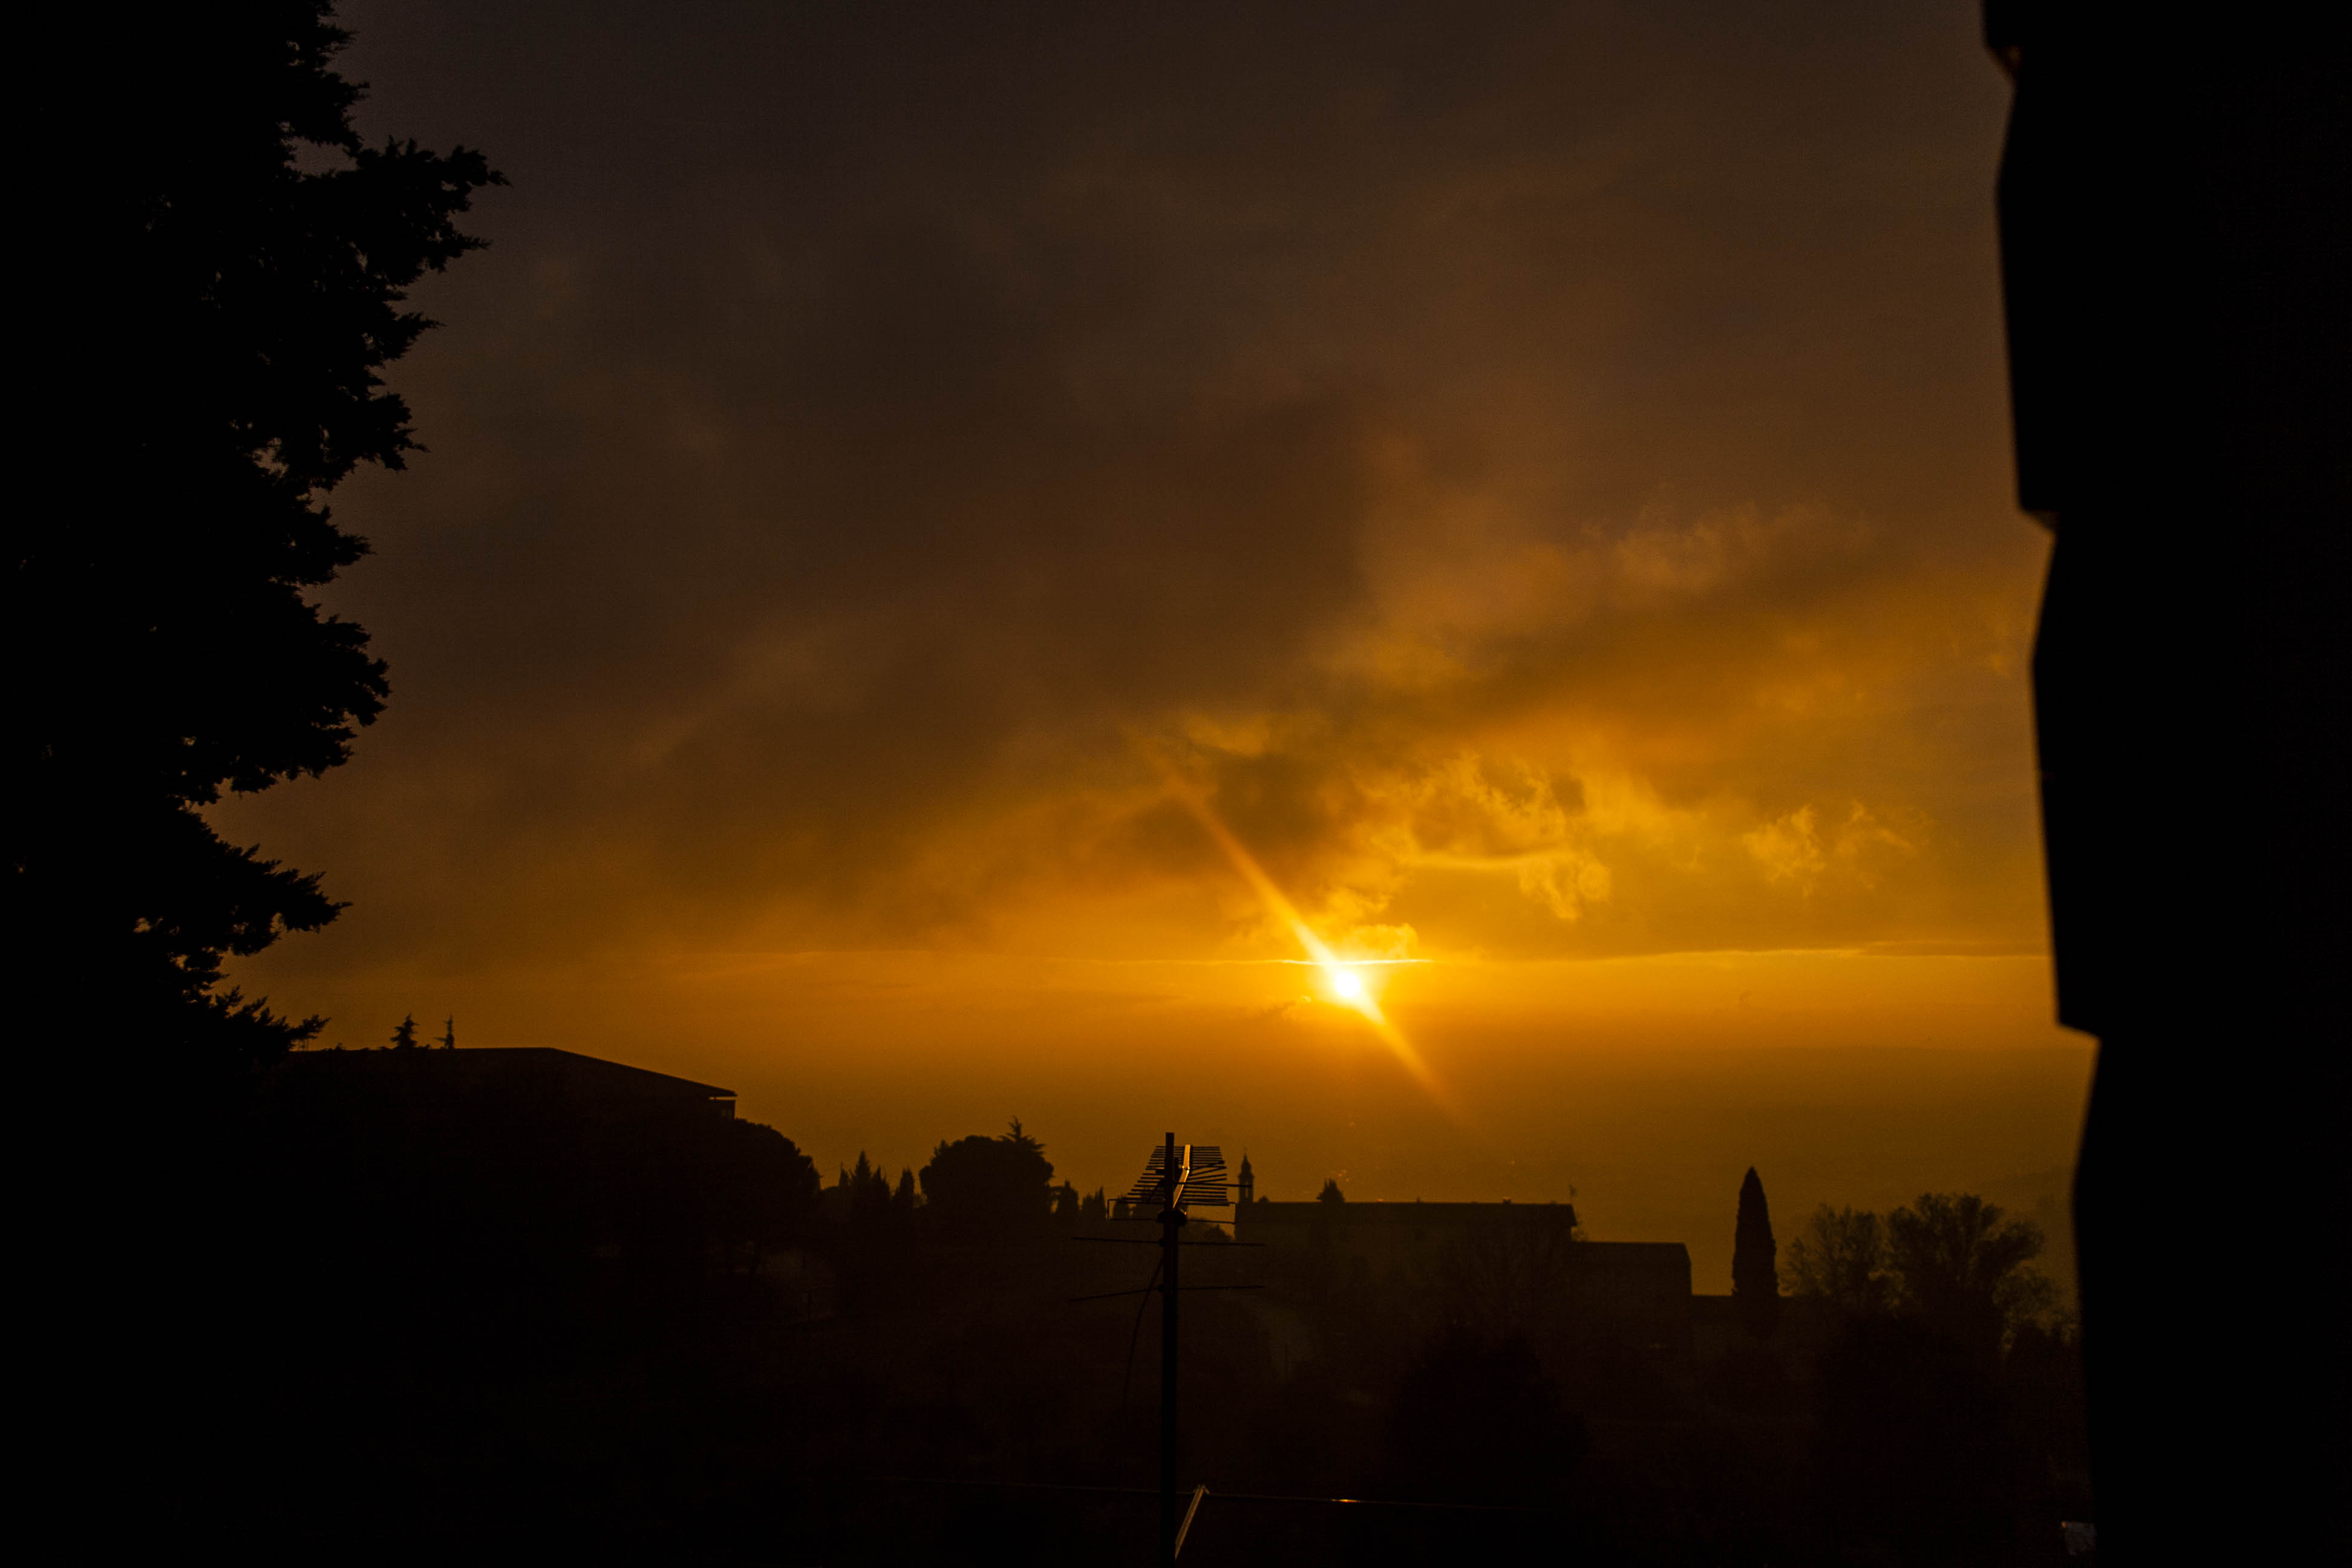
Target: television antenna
{"x": 1178, "y": 1177}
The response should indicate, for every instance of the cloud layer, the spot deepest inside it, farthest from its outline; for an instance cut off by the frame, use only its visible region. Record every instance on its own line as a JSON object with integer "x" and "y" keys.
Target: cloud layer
{"x": 1537, "y": 471}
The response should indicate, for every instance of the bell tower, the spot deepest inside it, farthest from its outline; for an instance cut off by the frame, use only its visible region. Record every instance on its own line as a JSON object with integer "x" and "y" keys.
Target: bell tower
{"x": 1248, "y": 1182}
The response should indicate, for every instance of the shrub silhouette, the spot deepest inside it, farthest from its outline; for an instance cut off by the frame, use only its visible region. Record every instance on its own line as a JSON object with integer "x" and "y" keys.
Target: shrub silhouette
{"x": 1476, "y": 1418}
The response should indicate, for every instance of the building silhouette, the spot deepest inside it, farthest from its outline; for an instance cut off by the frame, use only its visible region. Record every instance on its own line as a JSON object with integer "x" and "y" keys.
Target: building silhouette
{"x": 1632, "y": 1294}
{"x": 469, "y": 1163}
{"x": 527, "y": 1081}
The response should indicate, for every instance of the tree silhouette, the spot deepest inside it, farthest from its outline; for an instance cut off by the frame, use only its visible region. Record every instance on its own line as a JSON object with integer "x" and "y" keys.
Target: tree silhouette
{"x": 449, "y": 1035}
{"x": 404, "y": 1036}
{"x": 1963, "y": 1266}
{"x": 871, "y": 1213}
{"x": 1840, "y": 1261}
{"x": 1330, "y": 1193}
{"x": 249, "y": 261}
{"x": 764, "y": 1191}
{"x": 1952, "y": 1262}
{"x": 1755, "y": 1270}
{"x": 980, "y": 1186}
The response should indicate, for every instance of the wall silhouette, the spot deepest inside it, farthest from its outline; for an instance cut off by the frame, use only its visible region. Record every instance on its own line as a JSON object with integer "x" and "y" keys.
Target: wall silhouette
{"x": 2173, "y": 246}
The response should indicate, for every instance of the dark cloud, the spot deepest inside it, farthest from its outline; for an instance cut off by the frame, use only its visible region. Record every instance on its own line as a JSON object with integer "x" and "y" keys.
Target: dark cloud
{"x": 1538, "y": 468}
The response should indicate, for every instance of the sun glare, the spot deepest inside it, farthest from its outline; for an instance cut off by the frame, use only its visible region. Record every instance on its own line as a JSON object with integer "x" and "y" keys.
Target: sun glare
{"x": 1346, "y": 983}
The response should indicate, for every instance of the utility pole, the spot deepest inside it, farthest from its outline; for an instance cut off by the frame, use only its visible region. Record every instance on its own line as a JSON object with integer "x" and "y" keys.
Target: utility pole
{"x": 1178, "y": 1176}
{"x": 1171, "y": 1225}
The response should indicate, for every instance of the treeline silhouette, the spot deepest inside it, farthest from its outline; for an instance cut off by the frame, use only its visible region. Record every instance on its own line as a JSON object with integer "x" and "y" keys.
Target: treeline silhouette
{"x": 486, "y": 1322}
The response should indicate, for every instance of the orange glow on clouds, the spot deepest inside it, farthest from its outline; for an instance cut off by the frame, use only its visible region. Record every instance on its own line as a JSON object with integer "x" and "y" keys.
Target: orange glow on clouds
{"x": 1345, "y": 981}
{"x": 1510, "y": 521}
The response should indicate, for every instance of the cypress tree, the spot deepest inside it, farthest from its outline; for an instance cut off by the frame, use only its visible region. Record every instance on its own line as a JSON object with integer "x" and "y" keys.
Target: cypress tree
{"x": 1754, "y": 1267}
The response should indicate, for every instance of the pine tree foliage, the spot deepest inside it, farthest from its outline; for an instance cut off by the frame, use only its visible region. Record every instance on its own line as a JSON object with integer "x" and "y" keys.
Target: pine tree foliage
{"x": 241, "y": 286}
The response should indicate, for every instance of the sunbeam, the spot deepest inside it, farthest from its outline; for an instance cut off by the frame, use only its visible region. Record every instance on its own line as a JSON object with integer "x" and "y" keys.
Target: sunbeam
{"x": 1343, "y": 981}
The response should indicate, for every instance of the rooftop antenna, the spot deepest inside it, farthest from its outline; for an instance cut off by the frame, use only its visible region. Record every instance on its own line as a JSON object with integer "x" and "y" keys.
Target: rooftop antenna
{"x": 1177, "y": 1178}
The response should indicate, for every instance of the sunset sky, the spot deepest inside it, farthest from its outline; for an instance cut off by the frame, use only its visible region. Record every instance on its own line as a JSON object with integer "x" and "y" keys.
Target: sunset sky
{"x": 953, "y": 535}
